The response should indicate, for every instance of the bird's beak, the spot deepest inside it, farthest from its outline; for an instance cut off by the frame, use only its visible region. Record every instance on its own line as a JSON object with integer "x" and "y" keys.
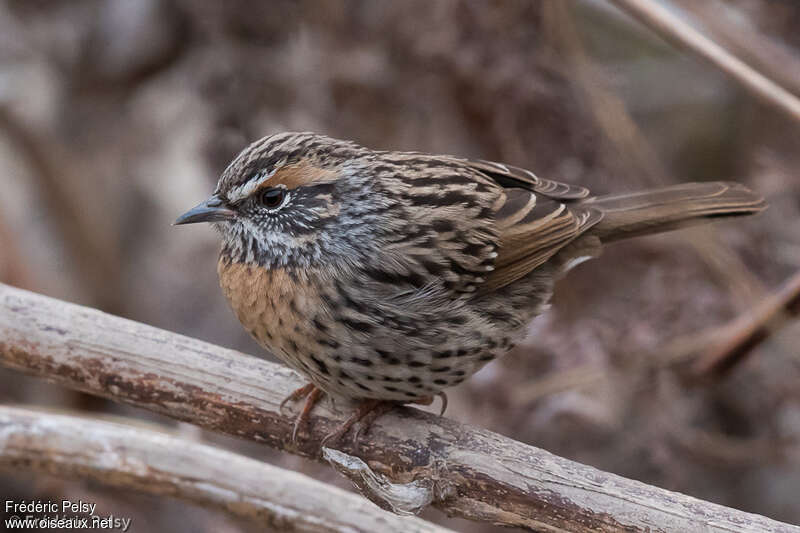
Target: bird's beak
{"x": 212, "y": 210}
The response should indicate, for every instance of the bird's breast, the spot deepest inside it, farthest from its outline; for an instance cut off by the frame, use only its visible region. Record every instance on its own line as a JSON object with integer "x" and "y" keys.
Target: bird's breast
{"x": 276, "y": 306}
{"x": 351, "y": 340}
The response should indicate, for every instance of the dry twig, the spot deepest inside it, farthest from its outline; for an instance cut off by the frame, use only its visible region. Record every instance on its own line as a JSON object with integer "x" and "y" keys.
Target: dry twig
{"x": 154, "y": 462}
{"x": 467, "y": 471}
{"x": 674, "y": 29}
{"x": 741, "y": 35}
{"x": 738, "y": 338}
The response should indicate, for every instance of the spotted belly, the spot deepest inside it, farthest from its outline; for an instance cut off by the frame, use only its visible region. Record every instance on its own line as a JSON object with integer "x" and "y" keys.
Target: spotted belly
{"x": 352, "y": 348}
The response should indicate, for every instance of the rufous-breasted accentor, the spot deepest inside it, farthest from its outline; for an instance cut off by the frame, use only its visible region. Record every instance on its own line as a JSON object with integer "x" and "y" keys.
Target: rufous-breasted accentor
{"x": 390, "y": 276}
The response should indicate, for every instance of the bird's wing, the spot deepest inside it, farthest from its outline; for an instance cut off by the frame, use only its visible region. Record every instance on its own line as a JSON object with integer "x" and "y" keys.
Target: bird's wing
{"x": 537, "y": 218}
{"x": 533, "y": 227}
{"x": 509, "y": 177}
{"x": 475, "y": 225}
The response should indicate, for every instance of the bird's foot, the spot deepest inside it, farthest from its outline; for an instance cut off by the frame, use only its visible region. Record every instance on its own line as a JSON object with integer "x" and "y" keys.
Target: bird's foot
{"x": 365, "y": 414}
{"x": 312, "y": 394}
{"x": 297, "y": 394}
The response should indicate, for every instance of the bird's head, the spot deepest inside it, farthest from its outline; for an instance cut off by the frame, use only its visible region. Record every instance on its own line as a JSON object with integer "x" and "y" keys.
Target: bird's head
{"x": 293, "y": 200}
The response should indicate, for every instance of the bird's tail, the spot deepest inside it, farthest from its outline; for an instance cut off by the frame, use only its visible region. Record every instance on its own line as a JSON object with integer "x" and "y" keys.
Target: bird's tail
{"x": 658, "y": 210}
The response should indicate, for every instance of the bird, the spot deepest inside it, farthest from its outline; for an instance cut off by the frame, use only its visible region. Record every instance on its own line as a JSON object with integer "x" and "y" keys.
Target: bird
{"x": 386, "y": 277}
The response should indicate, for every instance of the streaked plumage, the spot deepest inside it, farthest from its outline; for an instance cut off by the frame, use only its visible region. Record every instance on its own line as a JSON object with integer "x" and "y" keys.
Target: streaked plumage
{"x": 394, "y": 275}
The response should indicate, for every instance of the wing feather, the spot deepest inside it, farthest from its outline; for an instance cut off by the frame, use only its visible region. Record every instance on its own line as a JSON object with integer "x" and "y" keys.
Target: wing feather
{"x": 510, "y": 176}
{"x": 532, "y": 232}
{"x": 477, "y": 225}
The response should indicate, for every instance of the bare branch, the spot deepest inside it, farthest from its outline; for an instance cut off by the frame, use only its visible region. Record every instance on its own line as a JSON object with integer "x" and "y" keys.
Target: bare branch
{"x": 674, "y": 29}
{"x": 470, "y": 472}
{"x": 157, "y": 463}
{"x": 742, "y": 36}
{"x": 739, "y": 337}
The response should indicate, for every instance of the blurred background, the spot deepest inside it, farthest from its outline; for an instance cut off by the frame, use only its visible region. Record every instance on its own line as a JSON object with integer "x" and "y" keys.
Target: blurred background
{"x": 116, "y": 116}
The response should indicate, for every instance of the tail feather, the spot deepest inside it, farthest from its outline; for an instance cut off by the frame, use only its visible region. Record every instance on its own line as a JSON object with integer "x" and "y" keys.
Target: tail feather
{"x": 658, "y": 210}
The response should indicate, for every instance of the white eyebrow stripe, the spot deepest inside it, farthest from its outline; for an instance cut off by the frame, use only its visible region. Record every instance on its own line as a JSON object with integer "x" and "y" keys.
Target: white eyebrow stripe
{"x": 246, "y": 189}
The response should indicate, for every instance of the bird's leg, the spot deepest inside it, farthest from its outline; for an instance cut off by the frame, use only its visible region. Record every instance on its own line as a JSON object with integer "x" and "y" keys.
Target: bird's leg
{"x": 297, "y": 394}
{"x": 311, "y": 400}
{"x": 366, "y": 413}
{"x": 370, "y": 410}
{"x": 312, "y": 394}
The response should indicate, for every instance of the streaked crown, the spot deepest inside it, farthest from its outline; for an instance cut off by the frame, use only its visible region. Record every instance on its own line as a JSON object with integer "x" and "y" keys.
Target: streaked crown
{"x": 291, "y": 206}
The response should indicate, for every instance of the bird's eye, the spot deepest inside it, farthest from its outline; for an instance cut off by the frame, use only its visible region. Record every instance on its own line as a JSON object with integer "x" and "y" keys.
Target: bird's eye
{"x": 272, "y": 198}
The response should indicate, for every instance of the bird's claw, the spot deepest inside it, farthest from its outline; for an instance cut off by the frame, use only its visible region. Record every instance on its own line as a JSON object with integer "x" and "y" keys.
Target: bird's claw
{"x": 312, "y": 394}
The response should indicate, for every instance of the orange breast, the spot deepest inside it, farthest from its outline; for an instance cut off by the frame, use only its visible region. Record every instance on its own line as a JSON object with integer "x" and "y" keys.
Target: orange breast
{"x": 272, "y": 305}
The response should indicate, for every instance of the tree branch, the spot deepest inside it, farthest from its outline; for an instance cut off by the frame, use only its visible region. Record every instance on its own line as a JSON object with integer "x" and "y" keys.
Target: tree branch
{"x": 743, "y": 334}
{"x": 661, "y": 20}
{"x": 157, "y": 463}
{"x": 469, "y": 472}
{"x": 741, "y": 35}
